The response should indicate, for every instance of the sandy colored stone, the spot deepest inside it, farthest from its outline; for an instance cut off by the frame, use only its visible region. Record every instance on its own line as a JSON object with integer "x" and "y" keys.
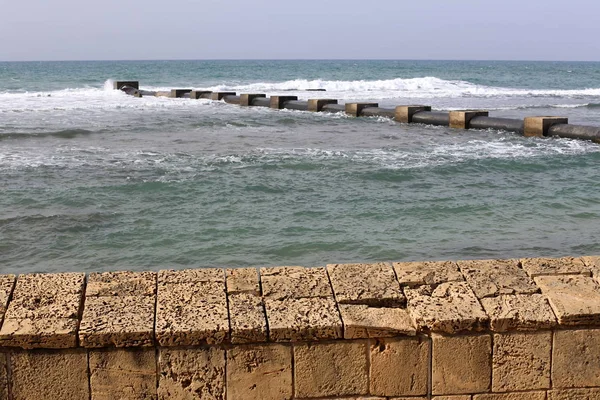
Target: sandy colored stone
{"x": 574, "y": 394}
{"x": 259, "y": 372}
{"x": 123, "y": 374}
{"x": 3, "y": 376}
{"x": 593, "y": 263}
{"x": 49, "y": 375}
{"x": 187, "y": 276}
{"x": 576, "y": 358}
{"x": 399, "y": 367}
{"x": 519, "y": 312}
{"x": 7, "y": 283}
{"x": 511, "y": 396}
{"x": 49, "y": 285}
{"x": 461, "y": 364}
{"x": 450, "y": 307}
{"x": 361, "y": 321}
{"x": 490, "y": 278}
{"x": 117, "y": 321}
{"x": 303, "y": 319}
{"x": 193, "y": 373}
{"x": 414, "y": 274}
{"x": 242, "y": 280}
{"x": 458, "y": 397}
{"x": 279, "y": 283}
{"x": 122, "y": 283}
{"x": 521, "y": 361}
{"x": 247, "y": 318}
{"x": 41, "y": 306}
{"x": 48, "y": 333}
{"x": 331, "y": 369}
{"x": 555, "y": 266}
{"x": 575, "y": 299}
{"x": 371, "y": 284}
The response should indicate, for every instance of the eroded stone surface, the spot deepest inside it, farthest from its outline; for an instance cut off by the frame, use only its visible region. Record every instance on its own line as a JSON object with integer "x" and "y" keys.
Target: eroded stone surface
{"x": 399, "y": 367}
{"x": 331, "y": 369}
{"x": 187, "y": 276}
{"x": 519, "y": 312}
{"x": 521, "y": 361}
{"x": 414, "y": 274}
{"x": 49, "y": 333}
{"x": 370, "y": 284}
{"x": 117, "y": 321}
{"x": 122, "y": 283}
{"x": 575, "y": 299}
{"x": 247, "y": 318}
{"x": 7, "y": 282}
{"x": 3, "y": 376}
{"x": 576, "y": 358}
{"x": 458, "y": 397}
{"x": 259, "y": 372}
{"x": 362, "y": 321}
{"x": 49, "y": 285}
{"x": 574, "y": 394}
{"x": 242, "y": 280}
{"x": 450, "y": 307}
{"x": 554, "y": 266}
{"x": 187, "y": 374}
{"x": 490, "y": 278}
{"x": 511, "y": 396}
{"x": 123, "y": 374}
{"x": 303, "y": 319}
{"x": 280, "y": 283}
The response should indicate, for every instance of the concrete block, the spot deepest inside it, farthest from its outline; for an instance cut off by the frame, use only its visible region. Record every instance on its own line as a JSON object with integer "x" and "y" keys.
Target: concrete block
{"x": 538, "y": 126}
{"x": 461, "y": 364}
{"x": 117, "y": 85}
{"x": 220, "y": 95}
{"x": 4, "y": 376}
{"x": 399, "y": 367}
{"x": 162, "y": 93}
{"x": 490, "y": 278}
{"x": 450, "y": 308}
{"x": 192, "y": 373}
{"x": 124, "y": 283}
{"x": 574, "y": 394}
{"x": 575, "y": 299}
{"x": 414, "y": 274}
{"x": 176, "y": 93}
{"x": 316, "y": 105}
{"x": 576, "y": 358}
{"x": 355, "y": 109}
{"x": 123, "y": 374}
{"x": 404, "y": 114}
{"x": 246, "y": 98}
{"x": 259, "y": 372}
{"x": 279, "y": 283}
{"x": 462, "y": 119}
{"x": 243, "y": 280}
{"x": 185, "y": 276}
{"x": 331, "y": 369}
{"x": 521, "y": 361}
{"x": 277, "y": 102}
{"x": 371, "y": 284}
{"x": 362, "y": 321}
{"x": 511, "y": 396}
{"x": 555, "y": 266}
{"x": 49, "y": 375}
{"x": 303, "y": 319}
{"x": 247, "y": 318}
{"x": 200, "y": 94}
{"x": 519, "y": 312}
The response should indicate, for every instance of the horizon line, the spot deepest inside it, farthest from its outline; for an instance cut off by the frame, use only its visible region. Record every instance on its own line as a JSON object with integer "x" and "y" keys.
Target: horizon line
{"x": 298, "y": 59}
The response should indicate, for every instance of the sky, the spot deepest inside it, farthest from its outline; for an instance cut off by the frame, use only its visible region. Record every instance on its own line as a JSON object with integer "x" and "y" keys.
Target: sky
{"x": 33, "y": 30}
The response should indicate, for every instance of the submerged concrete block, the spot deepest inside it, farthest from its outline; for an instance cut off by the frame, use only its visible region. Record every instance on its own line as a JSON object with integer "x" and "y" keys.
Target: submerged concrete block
{"x": 200, "y": 94}
{"x": 405, "y": 114}
{"x": 462, "y": 119}
{"x": 355, "y": 109}
{"x": 277, "y": 102}
{"x": 176, "y": 93}
{"x": 316, "y": 105}
{"x": 219, "y": 95}
{"x": 118, "y": 85}
{"x": 246, "y": 98}
{"x": 538, "y": 126}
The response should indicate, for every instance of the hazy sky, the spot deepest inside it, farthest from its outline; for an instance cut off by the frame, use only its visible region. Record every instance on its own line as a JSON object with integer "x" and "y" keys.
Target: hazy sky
{"x": 315, "y": 29}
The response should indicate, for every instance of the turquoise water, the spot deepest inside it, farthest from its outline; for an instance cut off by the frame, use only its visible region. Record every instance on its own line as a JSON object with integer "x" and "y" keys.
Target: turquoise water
{"x": 95, "y": 180}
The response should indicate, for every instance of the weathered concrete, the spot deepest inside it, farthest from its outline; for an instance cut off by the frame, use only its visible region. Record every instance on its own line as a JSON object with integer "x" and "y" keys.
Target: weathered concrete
{"x": 539, "y": 126}
{"x": 219, "y": 95}
{"x": 246, "y": 99}
{"x": 437, "y": 118}
{"x": 201, "y": 94}
{"x": 355, "y": 109}
{"x": 575, "y": 132}
{"x": 499, "y": 124}
{"x": 278, "y": 102}
{"x": 462, "y": 119}
{"x": 404, "y": 114}
{"x": 177, "y": 93}
{"x": 316, "y": 105}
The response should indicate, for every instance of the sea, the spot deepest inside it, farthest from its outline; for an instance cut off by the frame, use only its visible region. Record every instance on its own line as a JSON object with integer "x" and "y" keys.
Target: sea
{"x": 93, "y": 180}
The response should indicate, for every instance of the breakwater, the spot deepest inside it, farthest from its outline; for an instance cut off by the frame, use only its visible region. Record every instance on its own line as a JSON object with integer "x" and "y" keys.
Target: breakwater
{"x": 470, "y": 329}
{"x": 538, "y": 126}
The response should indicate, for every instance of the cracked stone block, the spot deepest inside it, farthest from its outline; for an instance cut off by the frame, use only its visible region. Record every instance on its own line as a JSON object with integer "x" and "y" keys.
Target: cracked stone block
{"x": 188, "y": 276}
{"x": 361, "y": 322}
{"x": 122, "y": 283}
{"x": 574, "y": 394}
{"x": 415, "y": 274}
{"x": 242, "y": 280}
{"x": 576, "y": 358}
{"x": 7, "y": 283}
{"x": 371, "y": 284}
{"x": 279, "y": 283}
{"x": 575, "y": 299}
{"x": 519, "y": 312}
{"x": 450, "y": 307}
{"x": 555, "y": 266}
{"x": 193, "y": 373}
{"x": 490, "y": 278}
{"x": 511, "y": 396}
{"x": 247, "y": 318}
{"x": 331, "y": 369}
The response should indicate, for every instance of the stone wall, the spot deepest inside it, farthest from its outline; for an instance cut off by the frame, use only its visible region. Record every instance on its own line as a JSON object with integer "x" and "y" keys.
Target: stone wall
{"x": 465, "y": 330}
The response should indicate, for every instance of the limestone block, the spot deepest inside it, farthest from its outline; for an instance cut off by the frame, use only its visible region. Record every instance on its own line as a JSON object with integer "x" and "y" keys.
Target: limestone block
{"x": 49, "y": 375}
{"x": 277, "y": 102}
{"x": 371, "y": 284}
{"x": 331, "y": 369}
{"x": 246, "y": 98}
{"x": 123, "y": 374}
{"x": 399, "y": 367}
{"x": 176, "y": 93}
{"x": 355, "y": 109}
{"x": 519, "y": 312}
{"x": 7, "y": 283}
{"x": 123, "y": 283}
{"x": 404, "y": 114}
{"x": 576, "y": 358}
{"x": 279, "y": 283}
{"x": 451, "y": 307}
{"x": 117, "y": 321}
{"x": 458, "y": 397}
{"x": 219, "y": 95}
{"x": 554, "y": 266}
{"x": 539, "y": 126}
{"x": 303, "y": 319}
{"x": 511, "y": 396}
{"x": 31, "y": 333}
{"x": 316, "y": 105}
{"x": 200, "y": 94}
{"x": 3, "y": 376}
{"x": 193, "y": 373}
{"x": 489, "y": 278}
{"x": 574, "y": 394}
{"x": 187, "y": 276}
{"x": 247, "y": 318}
{"x": 462, "y": 119}
{"x": 259, "y": 372}
{"x": 414, "y": 274}
{"x": 242, "y": 280}
{"x": 361, "y": 322}
{"x": 575, "y": 299}
{"x": 521, "y": 361}
{"x": 461, "y": 364}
